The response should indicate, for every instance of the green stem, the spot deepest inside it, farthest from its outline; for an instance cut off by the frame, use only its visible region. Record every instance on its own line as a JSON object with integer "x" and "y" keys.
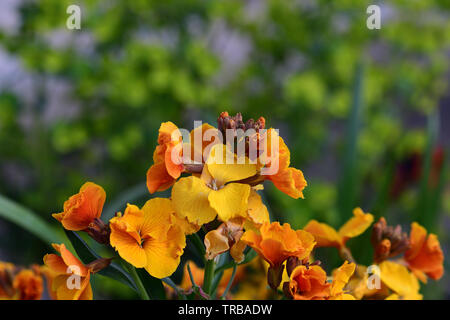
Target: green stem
{"x": 229, "y": 283}
{"x": 198, "y": 244}
{"x": 142, "y": 292}
{"x": 209, "y": 276}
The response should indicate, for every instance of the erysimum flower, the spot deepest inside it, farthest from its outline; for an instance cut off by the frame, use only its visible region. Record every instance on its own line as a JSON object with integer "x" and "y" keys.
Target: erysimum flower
{"x": 276, "y": 243}
{"x": 164, "y": 171}
{"x": 20, "y": 284}
{"x": 82, "y": 208}
{"x": 327, "y": 236}
{"x": 425, "y": 257}
{"x": 148, "y": 238}
{"x": 310, "y": 283}
{"x": 65, "y": 268}
{"x": 287, "y": 179}
{"x": 217, "y": 191}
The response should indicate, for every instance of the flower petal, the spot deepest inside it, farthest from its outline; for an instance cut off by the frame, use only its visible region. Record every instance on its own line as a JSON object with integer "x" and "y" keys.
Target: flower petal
{"x": 190, "y": 200}
{"x": 231, "y": 201}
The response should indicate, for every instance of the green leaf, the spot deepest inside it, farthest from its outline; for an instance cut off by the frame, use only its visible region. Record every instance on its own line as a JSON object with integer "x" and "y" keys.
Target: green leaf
{"x": 347, "y": 188}
{"x": 87, "y": 255}
{"x": 154, "y": 286}
{"x": 28, "y": 220}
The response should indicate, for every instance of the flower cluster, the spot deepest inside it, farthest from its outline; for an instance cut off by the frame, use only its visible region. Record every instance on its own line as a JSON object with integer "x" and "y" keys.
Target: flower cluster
{"x": 216, "y": 206}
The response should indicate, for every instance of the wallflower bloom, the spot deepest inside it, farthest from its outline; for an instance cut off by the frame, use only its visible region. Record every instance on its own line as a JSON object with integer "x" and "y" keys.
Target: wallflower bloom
{"x": 82, "y": 208}
{"x": 28, "y": 285}
{"x": 327, "y": 236}
{"x": 425, "y": 257}
{"x": 148, "y": 238}
{"x": 217, "y": 191}
{"x": 163, "y": 173}
{"x": 287, "y": 179}
{"x": 19, "y": 284}
{"x": 310, "y": 283}
{"x": 63, "y": 267}
{"x": 276, "y": 243}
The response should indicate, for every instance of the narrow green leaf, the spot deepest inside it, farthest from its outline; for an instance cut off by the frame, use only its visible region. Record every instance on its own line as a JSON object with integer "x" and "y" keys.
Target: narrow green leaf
{"x": 87, "y": 255}
{"x": 28, "y": 220}
{"x": 347, "y": 186}
{"x": 154, "y": 286}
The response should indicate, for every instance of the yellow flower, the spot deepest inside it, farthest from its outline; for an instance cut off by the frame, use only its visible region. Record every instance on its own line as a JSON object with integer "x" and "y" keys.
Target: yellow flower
{"x": 217, "y": 191}
{"x": 327, "y": 236}
{"x": 148, "y": 238}
{"x": 397, "y": 278}
{"x": 82, "y": 208}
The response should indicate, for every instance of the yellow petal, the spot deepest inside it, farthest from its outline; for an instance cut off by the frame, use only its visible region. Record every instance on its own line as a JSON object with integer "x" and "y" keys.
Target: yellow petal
{"x": 257, "y": 212}
{"x": 157, "y": 217}
{"x": 231, "y": 201}
{"x": 324, "y": 235}
{"x": 163, "y": 254}
{"x": 398, "y": 278}
{"x": 341, "y": 277}
{"x": 190, "y": 200}
{"x": 356, "y": 225}
{"x": 215, "y": 244}
{"x": 223, "y": 171}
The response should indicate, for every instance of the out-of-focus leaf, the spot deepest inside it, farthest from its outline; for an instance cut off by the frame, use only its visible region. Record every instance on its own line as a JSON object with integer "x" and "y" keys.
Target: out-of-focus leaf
{"x": 28, "y": 220}
{"x": 87, "y": 255}
{"x": 423, "y": 212}
{"x": 348, "y": 177}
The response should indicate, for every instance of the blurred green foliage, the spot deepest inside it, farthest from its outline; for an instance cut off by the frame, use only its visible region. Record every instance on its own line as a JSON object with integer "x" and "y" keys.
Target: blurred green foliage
{"x": 135, "y": 64}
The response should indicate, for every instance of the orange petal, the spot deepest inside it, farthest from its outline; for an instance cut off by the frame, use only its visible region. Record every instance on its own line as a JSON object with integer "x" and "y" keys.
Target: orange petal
{"x": 325, "y": 235}
{"x": 356, "y": 225}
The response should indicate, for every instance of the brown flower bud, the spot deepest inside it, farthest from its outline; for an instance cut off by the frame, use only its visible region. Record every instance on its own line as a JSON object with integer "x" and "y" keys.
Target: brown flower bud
{"x": 388, "y": 241}
{"x": 99, "y": 264}
{"x": 99, "y": 231}
{"x": 274, "y": 276}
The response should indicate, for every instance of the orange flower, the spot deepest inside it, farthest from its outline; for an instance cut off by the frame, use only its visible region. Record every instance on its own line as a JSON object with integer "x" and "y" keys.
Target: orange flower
{"x": 287, "y": 179}
{"x": 148, "y": 238}
{"x": 327, "y": 236}
{"x": 310, "y": 283}
{"x": 20, "y": 284}
{"x": 28, "y": 285}
{"x": 163, "y": 173}
{"x": 71, "y": 276}
{"x": 82, "y": 208}
{"x": 425, "y": 256}
{"x": 307, "y": 283}
{"x": 276, "y": 243}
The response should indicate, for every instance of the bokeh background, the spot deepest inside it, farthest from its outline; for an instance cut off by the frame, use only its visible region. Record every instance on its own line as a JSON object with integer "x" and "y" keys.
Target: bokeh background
{"x": 365, "y": 113}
